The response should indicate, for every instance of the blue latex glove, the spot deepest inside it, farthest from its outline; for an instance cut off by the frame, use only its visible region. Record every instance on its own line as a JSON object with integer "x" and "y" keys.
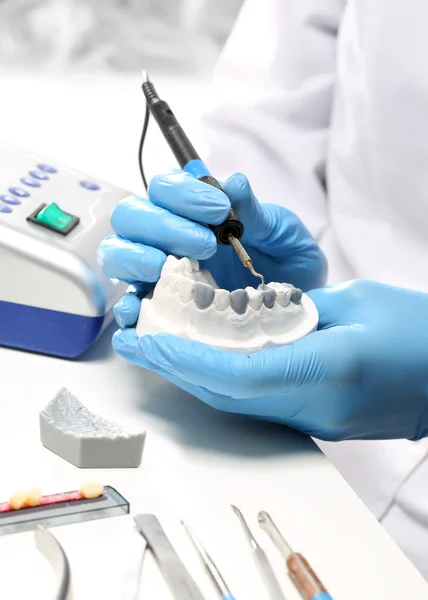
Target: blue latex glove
{"x": 362, "y": 375}
{"x": 147, "y": 230}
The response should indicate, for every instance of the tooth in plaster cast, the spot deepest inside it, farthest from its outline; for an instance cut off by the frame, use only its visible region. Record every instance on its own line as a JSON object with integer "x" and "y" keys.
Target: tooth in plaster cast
{"x": 192, "y": 306}
{"x": 296, "y": 296}
{"x": 186, "y": 288}
{"x": 222, "y": 299}
{"x": 239, "y": 301}
{"x": 204, "y": 295}
{"x": 269, "y": 296}
{"x": 164, "y": 281}
{"x": 255, "y": 298}
{"x": 283, "y": 297}
{"x": 174, "y": 282}
{"x": 188, "y": 265}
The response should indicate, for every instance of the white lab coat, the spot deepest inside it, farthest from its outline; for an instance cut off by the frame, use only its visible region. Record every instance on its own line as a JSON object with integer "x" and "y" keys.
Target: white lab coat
{"x": 314, "y": 90}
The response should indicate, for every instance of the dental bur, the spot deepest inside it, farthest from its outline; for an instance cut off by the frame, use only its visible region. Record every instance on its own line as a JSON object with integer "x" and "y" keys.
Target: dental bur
{"x": 231, "y": 230}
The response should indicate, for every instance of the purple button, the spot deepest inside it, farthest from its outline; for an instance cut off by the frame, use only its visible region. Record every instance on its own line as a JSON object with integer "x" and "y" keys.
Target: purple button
{"x": 89, "y": 185}
{"x": 39, "y": 175}
{"x": 30, "y": 182}
{"x": 47, "y": 168}
{"x": 19, "y": 192}
{"x": 9, "y": 199}
{"x": 5, "y": 208}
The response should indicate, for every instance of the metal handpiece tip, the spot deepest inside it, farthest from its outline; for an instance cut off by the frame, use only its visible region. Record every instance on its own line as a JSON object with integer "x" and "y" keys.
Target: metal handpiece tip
{"x": 245, "y": 258}
{"x": 254, "y": 272}
{"x": 145, "y": 76}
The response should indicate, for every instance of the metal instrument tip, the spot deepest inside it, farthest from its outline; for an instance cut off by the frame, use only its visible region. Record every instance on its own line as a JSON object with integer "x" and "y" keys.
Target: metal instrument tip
{"x": 254, "y": 272}
{"x": 145, "y": 76}
{"x": 245, "y": 258}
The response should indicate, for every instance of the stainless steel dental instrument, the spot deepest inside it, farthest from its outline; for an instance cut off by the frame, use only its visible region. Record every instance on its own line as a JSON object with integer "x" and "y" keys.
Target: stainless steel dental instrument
{"x": 173, "y": 570}
{"x": 52, "y": 550}
{"x": 231, "y": 230}
{"x": 209, "y": 564}
{"x": 302, "y": 574}
{"x": 261, "y": 560}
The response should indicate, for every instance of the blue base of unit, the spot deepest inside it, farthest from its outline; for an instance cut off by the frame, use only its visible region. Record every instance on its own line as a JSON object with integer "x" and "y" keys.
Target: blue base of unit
{"x": 47, "y": 331}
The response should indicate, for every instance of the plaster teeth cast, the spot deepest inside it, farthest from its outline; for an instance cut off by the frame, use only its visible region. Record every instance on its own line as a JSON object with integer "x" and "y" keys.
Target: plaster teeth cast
{"x": 296, "y": 296}
{"x": 187, "y": 302}
{"x": 186, "y": 289}
{"x": 222, "y": 299}
{"x": 239, "y": 301}
{"x": 269, "y": 296}
{"x": 255, "y": 298}
{"x": 283, "y": 298}
{"x": 204, "y": 295}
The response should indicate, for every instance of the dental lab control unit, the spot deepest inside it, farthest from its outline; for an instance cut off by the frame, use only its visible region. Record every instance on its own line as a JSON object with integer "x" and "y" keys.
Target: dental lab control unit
{"x": 53, "y": 297}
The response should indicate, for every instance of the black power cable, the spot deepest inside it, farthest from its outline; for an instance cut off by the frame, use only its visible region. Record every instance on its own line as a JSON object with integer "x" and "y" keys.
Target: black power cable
{"x": 141, "y": 146}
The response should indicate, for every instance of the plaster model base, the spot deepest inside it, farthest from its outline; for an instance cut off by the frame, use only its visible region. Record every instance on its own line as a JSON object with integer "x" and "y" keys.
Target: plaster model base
{"x": 86, "y": 440}
{"x": 187, "y": 302}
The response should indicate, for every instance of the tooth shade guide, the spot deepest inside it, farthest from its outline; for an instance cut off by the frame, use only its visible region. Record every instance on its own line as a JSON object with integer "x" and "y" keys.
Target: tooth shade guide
{"x": 48, "y": 500}
{"x": 63, "y": 509}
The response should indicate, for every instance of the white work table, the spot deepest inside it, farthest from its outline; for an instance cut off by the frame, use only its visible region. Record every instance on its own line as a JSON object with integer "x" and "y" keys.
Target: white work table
{"x": 196, "y": 461}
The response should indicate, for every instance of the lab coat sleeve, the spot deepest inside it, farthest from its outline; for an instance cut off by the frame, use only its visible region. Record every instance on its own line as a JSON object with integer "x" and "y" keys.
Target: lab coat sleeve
{"x": 270, "y": 102}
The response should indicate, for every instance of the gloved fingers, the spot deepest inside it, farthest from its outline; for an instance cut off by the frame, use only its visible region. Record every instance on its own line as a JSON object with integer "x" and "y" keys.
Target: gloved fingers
{"x": 184, "y": 195}
{"x": 268, "y": 227}
{"x": 127, "y": 309}
{"x": 238, "y": 375}
{"x": 125, "y": 343}
{"x": 140, "y": 221}
{"x": 129, "y": 261}
{"x": 246, "y": 205}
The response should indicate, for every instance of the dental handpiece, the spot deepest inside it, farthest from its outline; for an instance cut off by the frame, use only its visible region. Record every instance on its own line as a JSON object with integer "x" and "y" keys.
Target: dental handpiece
{"x": 302, "y": 574}
{"x": 231, "y": 230}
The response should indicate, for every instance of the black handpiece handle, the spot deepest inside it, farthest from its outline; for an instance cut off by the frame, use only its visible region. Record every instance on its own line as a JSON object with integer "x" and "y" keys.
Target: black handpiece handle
{"x": 189, "y": 160}
{"x": 232, "y": 225}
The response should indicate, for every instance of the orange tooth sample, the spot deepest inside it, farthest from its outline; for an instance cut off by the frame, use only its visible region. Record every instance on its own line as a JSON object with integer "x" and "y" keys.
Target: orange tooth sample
{"x": 33, "y": 497}
{"x": 17, "y": 500}
{"x": 91, "y": 490}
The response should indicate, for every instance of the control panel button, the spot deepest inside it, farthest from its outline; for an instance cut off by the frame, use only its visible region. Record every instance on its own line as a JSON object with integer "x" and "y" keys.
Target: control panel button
{"x": 47, "y": 168}
{"x": 10, "y": 199}
{"x": 52, "y": 217}
{"x": 19, "y": 192}
{"x": 89, "y": 185}
{"x": 4, "y": 208}
{"x": 31, "y": 182}
{"x": 39, "y": 175}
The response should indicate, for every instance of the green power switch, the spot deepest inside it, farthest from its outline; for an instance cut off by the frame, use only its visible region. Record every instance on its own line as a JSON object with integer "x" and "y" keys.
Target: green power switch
{"x": 52, "y": 217}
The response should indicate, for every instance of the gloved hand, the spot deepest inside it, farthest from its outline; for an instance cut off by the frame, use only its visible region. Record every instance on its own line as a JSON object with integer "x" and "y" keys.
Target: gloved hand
{"x": 147, "y": 230}
{"x": 362, "y": 375}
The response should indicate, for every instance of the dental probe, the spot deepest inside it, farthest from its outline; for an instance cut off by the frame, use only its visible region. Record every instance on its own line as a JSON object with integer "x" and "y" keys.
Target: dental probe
{"x": 261, "y": 560}
{"x": 209, "y": 564}
{"x": 231, "y": 230}
{"x": 302, "y": 574}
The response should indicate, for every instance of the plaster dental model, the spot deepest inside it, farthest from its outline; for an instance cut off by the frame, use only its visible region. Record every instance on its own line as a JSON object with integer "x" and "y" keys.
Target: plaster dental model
{"x": 188, "y": 303}
{"x": 86, "y": 440}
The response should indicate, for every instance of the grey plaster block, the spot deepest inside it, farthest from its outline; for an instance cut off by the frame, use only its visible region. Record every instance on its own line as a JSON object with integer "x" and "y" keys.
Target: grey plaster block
{"x": 86, "y": 440}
